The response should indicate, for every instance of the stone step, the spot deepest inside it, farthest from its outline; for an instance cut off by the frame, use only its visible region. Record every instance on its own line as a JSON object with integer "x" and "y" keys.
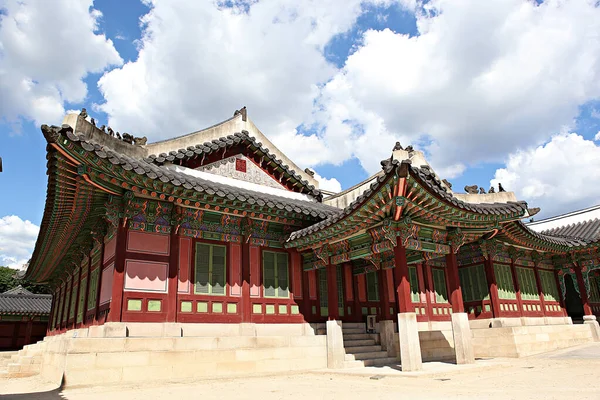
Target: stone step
{"x": 362, "y": 349}
{"x": 371, "y": 363}
{"x": 356, "y": 343}
{"x": 350, "y": 331}
{"x": 354, "y": 325}
{"x": 357, "y": 336}
{"x": 366, "y": 356}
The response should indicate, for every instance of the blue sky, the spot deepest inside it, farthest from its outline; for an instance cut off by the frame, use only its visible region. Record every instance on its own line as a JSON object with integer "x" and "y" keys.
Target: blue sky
{"x": 333, "y": 85}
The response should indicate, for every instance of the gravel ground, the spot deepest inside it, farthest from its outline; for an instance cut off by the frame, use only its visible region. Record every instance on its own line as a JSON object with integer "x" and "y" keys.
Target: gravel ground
{"x": 566, "y": 374}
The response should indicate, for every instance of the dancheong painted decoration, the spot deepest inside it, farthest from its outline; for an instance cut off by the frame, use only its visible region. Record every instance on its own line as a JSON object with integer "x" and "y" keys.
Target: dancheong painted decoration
{"x": 219, "y": 226}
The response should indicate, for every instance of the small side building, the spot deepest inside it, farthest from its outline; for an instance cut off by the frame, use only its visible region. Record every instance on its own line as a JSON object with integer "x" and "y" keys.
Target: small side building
{"x": 23, "y": 317}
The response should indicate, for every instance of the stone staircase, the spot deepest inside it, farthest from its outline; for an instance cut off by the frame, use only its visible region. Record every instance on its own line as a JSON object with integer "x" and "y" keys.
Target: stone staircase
{"x": 363, "y": 349}
{"x": 22, "y": 363}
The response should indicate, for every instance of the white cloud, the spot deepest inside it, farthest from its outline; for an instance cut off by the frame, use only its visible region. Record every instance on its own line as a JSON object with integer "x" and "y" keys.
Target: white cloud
{"x": 199, "y": 62}
{"x": 17, "y": 240}
{"x": 597, "y": 137}
{"x": 333, "y": 185}
{"x": 482, "y": 79}
{"x": 46, "y": 49}
{"x": 558, "y": 176}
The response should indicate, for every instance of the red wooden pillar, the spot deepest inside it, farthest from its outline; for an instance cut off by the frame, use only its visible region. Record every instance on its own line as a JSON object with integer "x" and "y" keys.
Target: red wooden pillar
{"x": 538, "y": 284}
{"x": 116, "y": 302}
{"x": 456, "y": 298}
{"x": 384, "y": 299}
{"x": 172, "y": 276}
{"x": 587, "y": 310}
{"x": 401, "y": 279}
{"x": 513, "y": 271}
{"x": 493, "y": 287}
{"x": 332, "y": 293}
{"x": 246, "y": 302}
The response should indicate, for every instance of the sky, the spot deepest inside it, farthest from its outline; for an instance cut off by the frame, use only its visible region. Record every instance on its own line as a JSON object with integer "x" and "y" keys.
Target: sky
{"x": 491, "y": 91}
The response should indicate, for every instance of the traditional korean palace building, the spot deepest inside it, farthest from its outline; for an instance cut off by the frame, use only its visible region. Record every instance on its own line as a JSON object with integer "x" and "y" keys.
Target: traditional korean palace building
{"x": 217, "y": 233}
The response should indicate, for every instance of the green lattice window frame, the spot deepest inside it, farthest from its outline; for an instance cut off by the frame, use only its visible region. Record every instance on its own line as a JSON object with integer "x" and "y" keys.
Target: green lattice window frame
{"x": 73, "y": 301}
{"x": 504, "y": 281}
{"x": 372, "y": 286}
{"x": 339, "y": 275}
{"x": 210, "y": 269}
{"x": 276, "y": 275}
{"x": 323, "y": 292}
{"x": 473, "y": 283}
{"x": 439, "y": 285}
{"x": 549, "y": 286}
{"x": 413, "y": 278}
{"x": 594, "y": 288}
{"x": 93, "y": 290}
{"x": 527, "y": 284}
{"x": 81, "y": 302}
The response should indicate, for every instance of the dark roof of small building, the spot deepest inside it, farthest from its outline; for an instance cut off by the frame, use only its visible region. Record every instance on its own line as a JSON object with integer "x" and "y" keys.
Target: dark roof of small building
{"x": 222, "y": 143}
{"x": 153, "y": 171}
{"x": 586, "y": 230}
{"x": 28, "y": 304}
{"x": 18, "y": 290}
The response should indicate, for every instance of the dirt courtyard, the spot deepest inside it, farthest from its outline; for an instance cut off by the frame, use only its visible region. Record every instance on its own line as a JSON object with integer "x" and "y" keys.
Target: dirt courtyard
{"x": 566, "y": 374}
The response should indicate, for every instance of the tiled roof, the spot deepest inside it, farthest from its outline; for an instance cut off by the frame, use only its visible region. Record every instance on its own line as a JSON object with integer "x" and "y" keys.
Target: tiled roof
{"x": 154, "y": 171}
{"x": 220, "y": 144}
{"x": 587, "y": 230}
{"x": 428, "y": 178}
{"x": 31, "y": 304}
{"x": 568, "y": 241}
{"x": 18, "y": 290}
{"x": 429, "y": 181}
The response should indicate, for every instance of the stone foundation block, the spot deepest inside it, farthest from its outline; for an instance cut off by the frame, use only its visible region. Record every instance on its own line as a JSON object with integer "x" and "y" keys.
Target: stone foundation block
{"x": 590, "y": 320}
{"x": 335, "y": 345}
{"x": 410, "y": 347}
{"x": 463, "y": 346}
{"x": 386, "y": 332}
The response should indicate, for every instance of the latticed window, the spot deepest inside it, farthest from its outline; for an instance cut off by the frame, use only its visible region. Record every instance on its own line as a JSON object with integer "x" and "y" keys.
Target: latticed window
{"x": 93, "y": 293}
{"x": 73, "y": 301}
{"x": 527, "y": 284}
{"x": 473, "y": 283}
{"x": 275, "y": 274}
{"x": 549, "y": 287}
{"x": 594, "y": 290}
{"x": 210, "y": 271}
{"x": 80, "y": 310}
{"x": 439, "y": 285}
{"x": 339, "y": 275}
{"x": 506, "y": 287}
{"x": 61, "y": 306}
{"x": 372, "y": 287}
{"x": 323, "y": 294}
{"x": 414, "y": 284}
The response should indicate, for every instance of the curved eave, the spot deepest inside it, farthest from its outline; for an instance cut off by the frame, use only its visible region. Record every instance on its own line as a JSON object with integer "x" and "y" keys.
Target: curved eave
{"x": 71, "y": 203}
{"x": 519, "y": 234}
{"x": 428, "y": 200}
{"x": 423, "y": 199}
{"x": 372, "y": 206}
